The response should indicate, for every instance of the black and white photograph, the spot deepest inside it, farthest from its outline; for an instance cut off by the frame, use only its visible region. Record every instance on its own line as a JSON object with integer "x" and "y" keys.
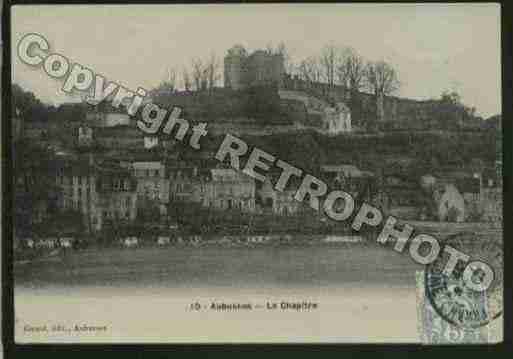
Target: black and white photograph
{"x": 256, "y": 173}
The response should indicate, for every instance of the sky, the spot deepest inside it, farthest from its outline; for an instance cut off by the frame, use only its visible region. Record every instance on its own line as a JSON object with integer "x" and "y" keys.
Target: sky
{"x": 434, "y": 47}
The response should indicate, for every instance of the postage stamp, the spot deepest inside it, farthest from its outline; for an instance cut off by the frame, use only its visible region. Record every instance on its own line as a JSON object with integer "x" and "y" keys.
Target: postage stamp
{"x": 434, "y": 329}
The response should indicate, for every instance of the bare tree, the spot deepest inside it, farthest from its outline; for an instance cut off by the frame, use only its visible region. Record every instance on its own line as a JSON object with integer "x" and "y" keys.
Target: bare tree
{"x": 310, "y": 70}
{"x": 204, "y": 73}
{"x": 351, "y": 72}
{"x": 186, "y": 78}
{"x": 198, "y": 73}
{"x": 382, "y": 80}
{"x": 171, "y": 78}
{"x": 330, "y": 61}
{"x": 213, "y": 71}
{"x": 167, "y": 86}
{"x": 204, "y": 78}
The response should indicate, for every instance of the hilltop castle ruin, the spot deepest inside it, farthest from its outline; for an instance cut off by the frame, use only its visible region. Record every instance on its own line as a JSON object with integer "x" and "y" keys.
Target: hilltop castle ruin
{"x": 242, "y": 70}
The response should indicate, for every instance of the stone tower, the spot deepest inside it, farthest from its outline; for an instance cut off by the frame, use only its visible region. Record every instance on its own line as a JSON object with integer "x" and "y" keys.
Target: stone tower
{"x": 260, "y": 68}
{"x": 234, "y": 67}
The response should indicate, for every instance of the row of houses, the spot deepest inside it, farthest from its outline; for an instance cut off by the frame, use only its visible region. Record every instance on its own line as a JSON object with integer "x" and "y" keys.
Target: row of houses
{"x": 103, "y": 129}
{"x": 451, "y": 197}
{"x": 117, "y": 190}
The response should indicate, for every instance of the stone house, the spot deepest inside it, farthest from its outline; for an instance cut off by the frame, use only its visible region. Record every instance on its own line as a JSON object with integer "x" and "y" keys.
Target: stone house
{"x": 427, "y": 182}
{"x": 337, "y": 119}
{"x": 117, "y": 196}
{"x": 77, "y": 183}
{"x": 332, "y": 119}
{"x": 450, "y": 204}
{"x": 349, "y": 178}
{"x": 470, "y": 189}
{"x": 187, "y": 184}
{"x": 107, "y": 119}
{"x": 152, "y": 183}
{"x": 492, "y": 205}
{"x": 98, "y": 193}
{"x": 85, "y": 136}
{"x": 401, "y": 196}
{"x": 119, "y": 137}
{"x": 229, "y": 189}
{"x": 345, "y": 171}
{"x": 492, "y": 196}
{"x": 151, "y": 142}
{"x": 277, "y": 202}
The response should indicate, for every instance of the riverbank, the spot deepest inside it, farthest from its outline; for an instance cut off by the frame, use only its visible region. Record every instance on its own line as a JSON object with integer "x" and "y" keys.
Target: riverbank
{"x": 41, "y": 254}
{"x": 136, "y": 237}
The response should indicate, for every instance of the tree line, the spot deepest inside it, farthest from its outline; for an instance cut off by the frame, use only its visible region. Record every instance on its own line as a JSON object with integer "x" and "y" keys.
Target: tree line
{"x": 201, "y": 74}
{"x": 344, "y": 66}
{"x": 333, "y": 66}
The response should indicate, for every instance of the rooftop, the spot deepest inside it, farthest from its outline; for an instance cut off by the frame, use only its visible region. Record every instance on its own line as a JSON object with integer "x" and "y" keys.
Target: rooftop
{"x": 228, "y": 175}
{"x": 153, "y": 165}
{"x": 348, "y": 170}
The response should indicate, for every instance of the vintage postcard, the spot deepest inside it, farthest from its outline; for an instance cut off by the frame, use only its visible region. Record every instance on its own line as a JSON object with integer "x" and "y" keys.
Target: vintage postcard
{"x": 257, "y": 173}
